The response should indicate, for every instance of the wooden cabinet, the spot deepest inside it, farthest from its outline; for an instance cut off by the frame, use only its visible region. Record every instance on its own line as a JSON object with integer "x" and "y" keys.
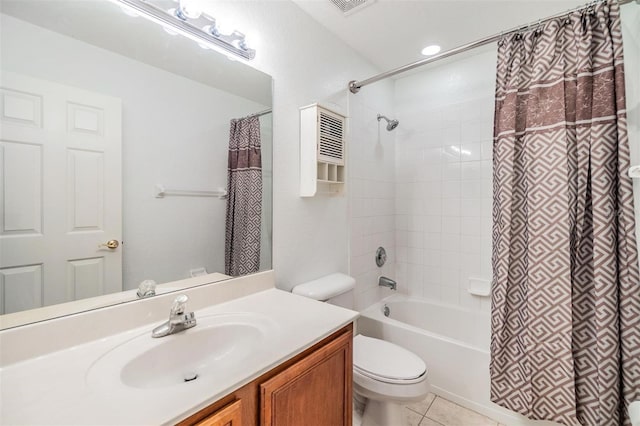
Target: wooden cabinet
{"x": 312, "y": 388}
{"x": 231, "y": 415}
{"x": 314, "y": 391}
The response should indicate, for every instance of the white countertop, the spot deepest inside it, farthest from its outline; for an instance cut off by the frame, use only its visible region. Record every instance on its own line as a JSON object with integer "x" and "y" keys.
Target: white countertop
{"x": 53, "y": 389}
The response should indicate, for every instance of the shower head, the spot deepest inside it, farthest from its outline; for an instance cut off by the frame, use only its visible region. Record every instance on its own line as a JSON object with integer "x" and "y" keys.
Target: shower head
{"x": 391, "y": 124}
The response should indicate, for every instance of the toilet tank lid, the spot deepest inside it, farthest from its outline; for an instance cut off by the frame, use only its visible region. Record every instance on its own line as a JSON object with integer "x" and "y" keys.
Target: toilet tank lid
{"x": 326, "y": 287}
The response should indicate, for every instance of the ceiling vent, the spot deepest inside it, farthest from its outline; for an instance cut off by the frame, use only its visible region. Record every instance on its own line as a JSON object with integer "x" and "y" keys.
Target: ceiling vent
{"x": 349, "y": 7}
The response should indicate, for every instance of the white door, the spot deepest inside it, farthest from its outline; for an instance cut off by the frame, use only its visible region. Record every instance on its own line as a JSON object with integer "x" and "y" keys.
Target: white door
{"x": 60, "y": 193}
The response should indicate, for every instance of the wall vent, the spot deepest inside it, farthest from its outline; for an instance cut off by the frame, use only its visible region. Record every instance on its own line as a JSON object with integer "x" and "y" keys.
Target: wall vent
{"x": 349, "y": 7}
{"x": 330, "y": 137}
{"x": 322, "y": 150}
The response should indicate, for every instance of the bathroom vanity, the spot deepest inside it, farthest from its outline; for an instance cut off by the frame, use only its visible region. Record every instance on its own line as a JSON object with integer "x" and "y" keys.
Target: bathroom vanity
{"x": 258, "y": 355}
{"x": 311, "y": 388}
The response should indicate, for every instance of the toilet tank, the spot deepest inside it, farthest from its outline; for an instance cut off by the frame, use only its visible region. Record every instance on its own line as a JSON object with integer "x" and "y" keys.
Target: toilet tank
{"x": 336, "y": 289}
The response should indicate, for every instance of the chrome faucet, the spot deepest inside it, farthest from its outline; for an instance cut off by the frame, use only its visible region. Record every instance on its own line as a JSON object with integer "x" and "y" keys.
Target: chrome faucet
{"x": 387, "y": 282}
{"x": 147, "y": 288}
{"x": 178, "y": 319}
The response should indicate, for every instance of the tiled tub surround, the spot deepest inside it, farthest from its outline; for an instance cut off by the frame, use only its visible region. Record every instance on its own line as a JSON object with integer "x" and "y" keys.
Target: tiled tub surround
{"x": 48, "y": 384}
{"x": 371, "y": 191}
{"x": 443, "y": 178}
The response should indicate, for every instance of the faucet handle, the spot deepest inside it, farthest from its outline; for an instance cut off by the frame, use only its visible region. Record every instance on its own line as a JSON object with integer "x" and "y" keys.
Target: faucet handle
{"x": 179, "y": 304}
{"x": 147, "y": 288}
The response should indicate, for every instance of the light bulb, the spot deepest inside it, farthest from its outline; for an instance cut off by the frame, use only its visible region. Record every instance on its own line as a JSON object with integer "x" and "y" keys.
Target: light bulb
{"x": 211, "y": 29}
{"x": 225, "y": 27}
{"x": 190, "y": 9}
{"x": 431, "y": 50}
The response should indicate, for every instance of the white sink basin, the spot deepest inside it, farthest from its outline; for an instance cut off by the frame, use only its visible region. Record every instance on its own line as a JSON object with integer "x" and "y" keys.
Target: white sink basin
{"x": 213, "y": 349}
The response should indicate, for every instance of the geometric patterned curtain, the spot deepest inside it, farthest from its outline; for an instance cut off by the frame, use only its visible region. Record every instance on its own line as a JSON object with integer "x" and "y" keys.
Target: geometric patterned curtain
{"x": 244, "y": 199}
{"x": 565, "y": 342}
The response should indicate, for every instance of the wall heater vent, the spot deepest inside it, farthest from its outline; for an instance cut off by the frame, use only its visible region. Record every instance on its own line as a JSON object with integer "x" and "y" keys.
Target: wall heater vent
{"x": 322, "y": 149}
{"x": 330, "y": 137}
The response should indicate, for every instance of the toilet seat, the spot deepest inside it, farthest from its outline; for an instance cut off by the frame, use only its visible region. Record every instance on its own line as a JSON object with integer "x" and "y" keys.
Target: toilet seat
{"x": 386, "y": 362}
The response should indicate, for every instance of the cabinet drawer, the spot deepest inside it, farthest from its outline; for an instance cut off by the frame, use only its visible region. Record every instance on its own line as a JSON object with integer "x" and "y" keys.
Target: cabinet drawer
{"x": 230, "y": 415}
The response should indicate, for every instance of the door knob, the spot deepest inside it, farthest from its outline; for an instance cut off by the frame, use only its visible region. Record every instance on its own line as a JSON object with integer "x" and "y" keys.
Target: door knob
{"x": 111, "y": 244}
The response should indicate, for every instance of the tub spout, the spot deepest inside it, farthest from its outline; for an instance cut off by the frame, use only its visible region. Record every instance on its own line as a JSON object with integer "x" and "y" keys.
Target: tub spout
{"x": 387, "y": 282}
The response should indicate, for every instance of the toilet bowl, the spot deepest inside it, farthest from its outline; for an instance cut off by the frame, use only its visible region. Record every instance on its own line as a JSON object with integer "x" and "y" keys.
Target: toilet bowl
{"x": 387, "y": 375}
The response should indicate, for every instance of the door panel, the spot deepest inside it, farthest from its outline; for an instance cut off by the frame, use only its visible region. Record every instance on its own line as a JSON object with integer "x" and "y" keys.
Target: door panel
{"x": 86, "y": 278}
{"x": 85, "y": 190}
{"x": 21, "y": 188}
{"x": 61, "y": 190}
{"x": 20, "y": 288}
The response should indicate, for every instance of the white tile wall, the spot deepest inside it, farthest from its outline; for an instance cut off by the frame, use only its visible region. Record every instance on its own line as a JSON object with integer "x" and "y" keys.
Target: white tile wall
{"x": 371, "y": 172}
{"x": 443, "y": 178}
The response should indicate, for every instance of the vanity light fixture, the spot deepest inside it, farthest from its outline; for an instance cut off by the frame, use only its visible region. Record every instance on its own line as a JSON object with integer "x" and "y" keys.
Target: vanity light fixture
{"x": 187, "y": 10}
{"x": 431, "y": 50}
{"x": 187, "y": 19}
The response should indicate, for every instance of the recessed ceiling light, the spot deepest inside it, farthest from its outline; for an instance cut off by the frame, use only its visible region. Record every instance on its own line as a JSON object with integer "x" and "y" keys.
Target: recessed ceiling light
{"x": 431, "y": 50}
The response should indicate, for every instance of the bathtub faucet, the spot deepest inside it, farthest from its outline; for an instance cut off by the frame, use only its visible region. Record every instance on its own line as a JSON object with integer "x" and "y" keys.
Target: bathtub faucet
{"x": 387, "y": 282}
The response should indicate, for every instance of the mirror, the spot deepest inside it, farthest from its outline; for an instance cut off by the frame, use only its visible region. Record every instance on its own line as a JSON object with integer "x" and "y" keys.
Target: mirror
{"x": 114, "y": 150}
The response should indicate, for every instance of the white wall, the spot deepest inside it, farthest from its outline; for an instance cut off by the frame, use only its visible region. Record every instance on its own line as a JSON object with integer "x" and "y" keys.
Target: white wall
{"x": 175, "y": 132}
{"x": 443, "y": 169}
{"x": 308, "y": 64}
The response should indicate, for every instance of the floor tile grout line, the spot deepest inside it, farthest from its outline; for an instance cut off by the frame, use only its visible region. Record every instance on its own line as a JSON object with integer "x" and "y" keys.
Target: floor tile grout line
{"x": 496, "y": 423}
{"x": 431, "y": 403}
{"x": 411, "y": 409}
{"x": 429, "y": 418}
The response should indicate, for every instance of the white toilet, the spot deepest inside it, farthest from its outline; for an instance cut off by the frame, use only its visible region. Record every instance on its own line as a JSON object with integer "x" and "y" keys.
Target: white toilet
{"x": 387, "y": 375}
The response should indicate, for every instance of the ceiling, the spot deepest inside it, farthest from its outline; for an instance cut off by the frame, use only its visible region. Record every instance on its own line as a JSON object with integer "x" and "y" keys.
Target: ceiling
{"x": 391, "y": 33}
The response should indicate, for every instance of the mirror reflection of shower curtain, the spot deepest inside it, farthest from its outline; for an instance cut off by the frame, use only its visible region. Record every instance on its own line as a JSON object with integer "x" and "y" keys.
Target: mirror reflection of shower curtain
{"x": 244, "y": 202}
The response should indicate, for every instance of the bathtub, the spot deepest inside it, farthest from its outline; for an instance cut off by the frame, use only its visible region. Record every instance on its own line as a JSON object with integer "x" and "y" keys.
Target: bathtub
{"x": 452, "y": 341}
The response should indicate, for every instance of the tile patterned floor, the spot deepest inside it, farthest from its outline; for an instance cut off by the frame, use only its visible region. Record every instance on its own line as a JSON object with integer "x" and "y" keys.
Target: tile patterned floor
{"x": 437, "y": 411}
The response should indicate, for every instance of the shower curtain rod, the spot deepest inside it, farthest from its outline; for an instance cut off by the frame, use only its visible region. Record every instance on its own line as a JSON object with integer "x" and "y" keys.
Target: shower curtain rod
{"x": 258, "y": 114}
{"x": 355, "y": 86}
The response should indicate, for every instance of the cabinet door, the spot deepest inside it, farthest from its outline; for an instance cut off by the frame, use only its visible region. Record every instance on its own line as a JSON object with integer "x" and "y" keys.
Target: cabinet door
{"x": 314, "y": 391}
{"x": 231, "y": 415}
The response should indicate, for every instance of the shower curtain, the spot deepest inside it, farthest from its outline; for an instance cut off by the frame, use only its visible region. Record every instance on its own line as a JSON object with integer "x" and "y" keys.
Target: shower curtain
{"x": 565, "y": 342}
{"x": 244, "y": 200}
